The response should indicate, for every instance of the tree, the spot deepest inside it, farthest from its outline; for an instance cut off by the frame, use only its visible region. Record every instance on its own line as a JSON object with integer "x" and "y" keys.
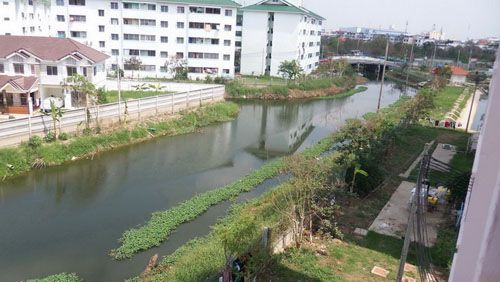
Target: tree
{"x": 55, "y": 113}
{"x": 133, "y": 64}
{"x": 81, "y": 87}
{"x": 177, "y": 67}
{"x": 290, "y": 69}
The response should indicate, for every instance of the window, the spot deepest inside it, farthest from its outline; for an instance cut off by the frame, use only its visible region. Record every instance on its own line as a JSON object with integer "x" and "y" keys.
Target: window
{"x": 102, "y": 44}
{"x": 225, "y": 71}
{"x": 5, "y": 3}
{"x": 77, "y": 18}
{"x": 227, "y": 42}
{"x": 180, "y": 40}
{"x": 164, "y": 9}
{"x": 227, "y": 27}
{"x": 227, "y": 57}
{"x": 114, "y": 5}
{"x": 79, "y": 34}
{"x": 164, "y": 54}
{"x": 164, "y": 39}
{"x": 200, "y": 40}
{"x": 70, "y": 71}
{"x": 60, "y": 2}
{"x": 101, "y": 28}
{"x": 6, "y": 19}
{"x": 238, "y": 33}
{"x": 61, "y": 34}
{"x": 148, "y": 22}
{"x": 100, "y": 13}
{"x": 180, "y": 25}
{"x": 2, "y": 68}
{"x": 179, "y": 55}
{"x": 164, "y": 24}
{"x": 237, "y": 44}
{"x": 32, "y": 29}
{"x": 180, "y": 10}
{"x": 114, "y": 21}
{"x": 163, "y": 69}
{"x": 18, "y": 68}
{"x": 229, "y": 13}
{"x": 60, "y": 18}
{"x": 114, "y": 36}
{"x": 115, "y": 52}
{"x": 139, "y": 6}
{"x": 30, "y": 2}
{"x": 77, "y": 2}
{"x": 212, "y": 11}
{"x": 51, "y": 70}
{"x": 148, "y": 68}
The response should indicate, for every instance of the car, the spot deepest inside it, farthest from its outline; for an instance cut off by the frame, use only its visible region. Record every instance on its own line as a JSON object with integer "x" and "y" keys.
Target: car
{"x": 58, "y": 103}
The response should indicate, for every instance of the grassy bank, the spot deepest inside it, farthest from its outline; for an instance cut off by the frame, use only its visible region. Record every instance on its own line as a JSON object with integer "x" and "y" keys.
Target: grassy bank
{"x": 112, "y": 96}
{"x": 344, "y": 94}
{"x": 444, "y": 101}
{"x": 63, "y": 277}
{"x": 162, "y": 224}
{"x": 15, "y": 161}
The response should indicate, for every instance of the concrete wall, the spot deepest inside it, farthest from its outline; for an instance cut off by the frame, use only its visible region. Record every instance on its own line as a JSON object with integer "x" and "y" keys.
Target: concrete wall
{"x": 478, "y": 246}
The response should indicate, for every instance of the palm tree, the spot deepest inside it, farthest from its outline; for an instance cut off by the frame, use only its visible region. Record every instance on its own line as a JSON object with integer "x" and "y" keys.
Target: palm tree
{"x": 55, "y": 113}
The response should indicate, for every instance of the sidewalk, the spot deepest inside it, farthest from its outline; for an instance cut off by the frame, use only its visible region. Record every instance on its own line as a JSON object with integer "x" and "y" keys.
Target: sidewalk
{"x": 465, "y": 112}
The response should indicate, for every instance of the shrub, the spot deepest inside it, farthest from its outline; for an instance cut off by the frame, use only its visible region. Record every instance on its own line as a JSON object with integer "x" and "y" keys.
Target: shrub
{"x": 279, "y": 90}
{"x": 102, "y": 97}
{"x": 236, "y": 89}
{"x": 50, "y": 137}
{"x": 35, "y": 142}
{"x": 63, "y": 136}
{"x": 220, "y": 80}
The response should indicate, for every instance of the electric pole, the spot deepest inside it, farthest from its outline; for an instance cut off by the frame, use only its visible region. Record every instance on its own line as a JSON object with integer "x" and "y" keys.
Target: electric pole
{"x": 433, "y": 56}
{"x": 383, "y": 74}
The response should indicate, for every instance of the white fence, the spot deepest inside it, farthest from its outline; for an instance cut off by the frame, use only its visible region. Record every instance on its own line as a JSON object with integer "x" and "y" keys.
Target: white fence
{"x": 15, "y": 131}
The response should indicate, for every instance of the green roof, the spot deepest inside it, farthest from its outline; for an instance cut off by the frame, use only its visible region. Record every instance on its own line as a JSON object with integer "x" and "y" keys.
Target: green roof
{"x": 225, "y": 3}
{"x": 281, "y": 8}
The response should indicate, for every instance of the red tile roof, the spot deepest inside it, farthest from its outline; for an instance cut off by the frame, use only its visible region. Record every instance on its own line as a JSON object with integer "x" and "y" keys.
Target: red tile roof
{"x": 23, "y": 83}
{"x": 47, "y": 48}
{"x": 459, "y": 71}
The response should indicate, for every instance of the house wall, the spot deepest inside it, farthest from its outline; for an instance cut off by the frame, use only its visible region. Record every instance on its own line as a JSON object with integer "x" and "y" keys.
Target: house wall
{"x": 477, "y": 257}
{"x": 253, "y": 43}
{"x": 457, "y": 79}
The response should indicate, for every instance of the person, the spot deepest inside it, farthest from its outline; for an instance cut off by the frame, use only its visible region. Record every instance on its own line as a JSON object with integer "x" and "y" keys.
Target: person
{"x": 446, "y": 124}
{"x": 436, "y": 122}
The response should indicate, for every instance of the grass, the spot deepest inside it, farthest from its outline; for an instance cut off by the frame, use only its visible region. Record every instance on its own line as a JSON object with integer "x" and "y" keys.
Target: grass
{"x": 162, "y": 224}
{"x": 63, "y": 277}
{"x": 112, "y": 96}
{"x": 444, "y": 101}
{"x": 344, "y": 94}
{"x": 15, "y": 161}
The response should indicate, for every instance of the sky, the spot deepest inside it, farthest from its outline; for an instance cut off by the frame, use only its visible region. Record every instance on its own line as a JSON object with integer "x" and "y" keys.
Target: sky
{"x": 460, "y": 19}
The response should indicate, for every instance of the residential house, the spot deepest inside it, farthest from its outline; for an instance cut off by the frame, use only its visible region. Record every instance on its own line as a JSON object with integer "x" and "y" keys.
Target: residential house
{"x": 33, "y": 68}
{"x": 458, "y": 75}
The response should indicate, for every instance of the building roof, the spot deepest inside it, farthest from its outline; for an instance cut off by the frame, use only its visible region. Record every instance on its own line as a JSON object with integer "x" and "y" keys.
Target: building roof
{"x": 47, "y": 48}
{"x": 459, "y": 71}
{"x": 286, "y": 7}
{"x": 224, "y": 3}
{"x": 22, "y": 83}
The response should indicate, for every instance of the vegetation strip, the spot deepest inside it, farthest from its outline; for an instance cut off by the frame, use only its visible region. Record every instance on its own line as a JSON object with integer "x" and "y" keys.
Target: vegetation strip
{"x": 161, "y": 224}
{"x": 344, "y": 94}
{"x": 62, "y": 277}
{"x": 15, "y": 161}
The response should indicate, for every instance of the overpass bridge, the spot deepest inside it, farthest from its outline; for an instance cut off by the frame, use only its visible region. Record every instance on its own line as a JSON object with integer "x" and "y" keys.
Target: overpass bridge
{"x": 363, "y": 60}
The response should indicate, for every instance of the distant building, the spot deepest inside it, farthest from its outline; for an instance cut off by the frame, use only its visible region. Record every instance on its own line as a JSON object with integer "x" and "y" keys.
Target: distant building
{"x": 275, "y": 31}
{"x": 32, "y": 68}
{"x": 458, "y": 75}
{"x": 365, "y": 33}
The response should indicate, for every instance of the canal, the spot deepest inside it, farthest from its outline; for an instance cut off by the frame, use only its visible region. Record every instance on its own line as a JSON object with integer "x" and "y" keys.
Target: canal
{"x": 68, "y": 218}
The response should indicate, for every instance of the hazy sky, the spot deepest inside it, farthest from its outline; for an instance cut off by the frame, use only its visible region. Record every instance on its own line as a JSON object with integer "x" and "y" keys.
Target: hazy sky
{"x": 460, "y": 19}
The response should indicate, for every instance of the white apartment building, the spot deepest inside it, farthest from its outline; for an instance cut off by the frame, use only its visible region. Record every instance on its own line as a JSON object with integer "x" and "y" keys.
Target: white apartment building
{"x": 32, "y": 68}
{"x": 199, "y": 33}
{"x": 276, "y": 30}
{"x": 25, "y": 17}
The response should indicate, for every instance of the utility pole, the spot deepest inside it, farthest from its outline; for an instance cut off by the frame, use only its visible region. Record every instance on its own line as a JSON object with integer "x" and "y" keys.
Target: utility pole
{"x": 433, "y": 56}
{"x": 476, "y": 82}
{"x": 383, "y": 74}
{"x": 458, "y": 57}
{"x": 470, "y": 56}
{"x": 408, "y": 65}
{"x": 118, "y": 76}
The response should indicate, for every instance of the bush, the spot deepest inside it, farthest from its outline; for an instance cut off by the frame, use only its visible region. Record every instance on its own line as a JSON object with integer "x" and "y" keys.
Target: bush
{"x": 50, "y": 137}
{"x": 209, "y": 79}
{"x": 313, "y": 84}
{"x": 102, "y": 97}
{"x": 63, "y": 136}
{"x": 236, "y": 89}
{"x": 220, "y": 80}
{"x": 35, "y": 142}
{"x": 279, "y": 90}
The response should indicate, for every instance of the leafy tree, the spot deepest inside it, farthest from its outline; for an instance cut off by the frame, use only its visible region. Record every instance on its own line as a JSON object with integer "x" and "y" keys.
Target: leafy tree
{"x": 290, "y": 69}
{"x": 81, "y": 87}
{"x": 133, "y": 64}
{"x": 177, "y": 67}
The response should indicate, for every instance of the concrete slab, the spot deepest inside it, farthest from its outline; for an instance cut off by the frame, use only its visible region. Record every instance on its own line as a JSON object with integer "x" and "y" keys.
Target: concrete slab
{"x": 444, "y": 153}
{"x": 379, "y": 271}
{"x": 393, "y": 218}
{"x": 360, "y": 232}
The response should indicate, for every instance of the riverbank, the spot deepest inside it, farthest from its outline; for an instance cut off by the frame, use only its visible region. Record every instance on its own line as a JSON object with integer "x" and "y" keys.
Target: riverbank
{"x": 306, "y": 89}
{"x": 36, "y": 154}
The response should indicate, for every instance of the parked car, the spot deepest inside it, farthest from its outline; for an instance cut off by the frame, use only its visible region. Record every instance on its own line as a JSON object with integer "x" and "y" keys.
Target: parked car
{"x": 58, "y": 103}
